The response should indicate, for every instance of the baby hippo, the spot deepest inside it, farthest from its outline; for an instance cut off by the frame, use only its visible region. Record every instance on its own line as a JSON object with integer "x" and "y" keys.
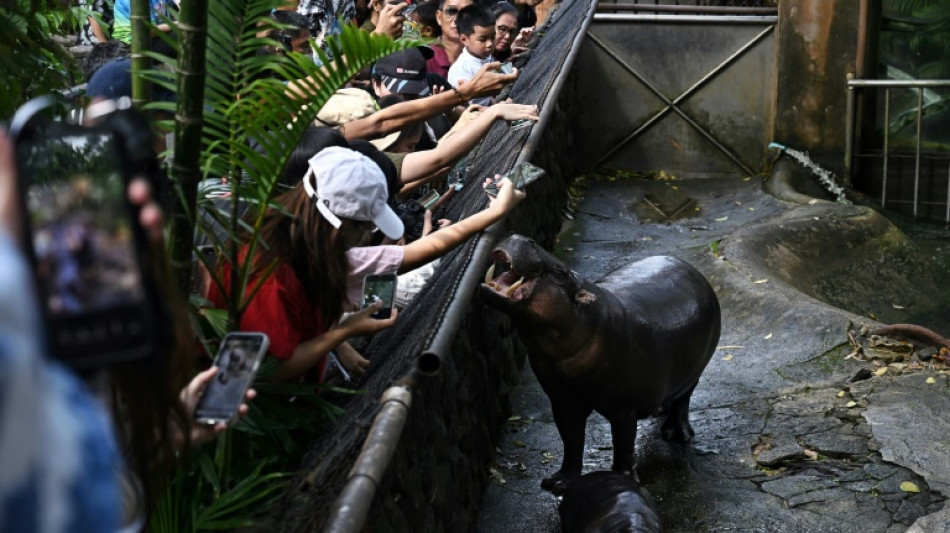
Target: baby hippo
{"x": 607, "y": 502}
{"x": 629, "y": 346}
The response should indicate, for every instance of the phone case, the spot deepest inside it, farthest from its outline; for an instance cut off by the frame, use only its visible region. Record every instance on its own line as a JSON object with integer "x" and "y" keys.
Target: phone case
{"x": 238, "y": 359}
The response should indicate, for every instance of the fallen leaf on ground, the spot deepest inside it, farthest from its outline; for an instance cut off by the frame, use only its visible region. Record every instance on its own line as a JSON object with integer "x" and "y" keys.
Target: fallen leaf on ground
{"x": 727, "y": 357}
{"x": 880, "y": 371}
{"x": 841, "y": 394}
{"x": 721, "y": 219}
{"x": 760, "y": 281}
{"x": 851, "y": 404}
{"x": 909, "y": 486}
{"x": 895, "y": 306}
{"x": 811, "y": 454}
{"x": 769, "y": 336}
{"x": 520, "y": 444}
{"x": 729, "y": 347}
{"x": 931, "y": 380}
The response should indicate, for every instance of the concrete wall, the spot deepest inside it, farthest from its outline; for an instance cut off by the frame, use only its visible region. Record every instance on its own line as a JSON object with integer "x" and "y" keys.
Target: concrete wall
{"x": 818, "y": 48}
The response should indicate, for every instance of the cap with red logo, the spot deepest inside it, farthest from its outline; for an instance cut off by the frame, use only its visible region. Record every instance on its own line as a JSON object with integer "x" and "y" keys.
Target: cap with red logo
{"x": 405, "y": 71}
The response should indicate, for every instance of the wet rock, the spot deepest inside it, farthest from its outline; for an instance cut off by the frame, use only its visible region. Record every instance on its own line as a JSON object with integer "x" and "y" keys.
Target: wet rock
{"x": 835, "y": 444}
{"x": 782, "y": 451}
{"x": 860, "y": 375}
{"x": 789, "y": 487}
{"x": 837, "y": 496}
{"x": 908, "y": 512}
{"x": 927, "y": 353}
{"x": 939, "y": 521}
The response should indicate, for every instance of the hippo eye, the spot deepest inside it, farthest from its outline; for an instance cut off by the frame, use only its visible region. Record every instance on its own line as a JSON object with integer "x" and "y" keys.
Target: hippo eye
{"x": 560, "y": 275}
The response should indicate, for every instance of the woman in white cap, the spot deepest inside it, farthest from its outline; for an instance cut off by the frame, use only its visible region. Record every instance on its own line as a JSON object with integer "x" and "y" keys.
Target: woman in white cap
{"x": 316, "y": 259}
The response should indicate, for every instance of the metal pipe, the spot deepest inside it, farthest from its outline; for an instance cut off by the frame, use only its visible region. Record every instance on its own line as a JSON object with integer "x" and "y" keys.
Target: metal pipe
{"x": 948, "y": 196}
{"x": 920, "y": 121}
{"x": 707, "y": 19}
{"x": 726, "y": 10}
{"x": 861, "y": 56}
{"x": 348, "y": 514}
{"x": 897, "y": 84}
{"x": 849, "y": 136}
{"x": 887, "y": 141}
{"x": 441, "y": 342}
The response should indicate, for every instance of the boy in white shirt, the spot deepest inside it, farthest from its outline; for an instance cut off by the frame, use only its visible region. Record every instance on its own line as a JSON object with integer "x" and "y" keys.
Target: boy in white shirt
{"x": 476, "y": 28}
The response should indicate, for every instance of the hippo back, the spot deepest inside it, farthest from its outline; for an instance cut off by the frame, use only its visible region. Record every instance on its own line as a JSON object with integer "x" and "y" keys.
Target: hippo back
{"x": 602, "y": 502}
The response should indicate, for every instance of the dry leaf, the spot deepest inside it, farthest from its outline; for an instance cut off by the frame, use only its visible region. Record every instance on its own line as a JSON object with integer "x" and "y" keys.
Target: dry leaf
{"x": 909, "y": 486}
{"x": 769, "y": 336}
{"x": 895, "y": 306}
{"x": 520, "y": 444}
{"x": 514, "y": 418}
{"x": 851, "y": 404}
{"x": 811, "y": 454}
{"x": 931, "y": 380}
{"x": 720, "y": 219}
{"x": 728, "y": 357}
{"x": 841, "y": 394}
{"x": 761, "y": 281}
{"x": 880, "y": 371}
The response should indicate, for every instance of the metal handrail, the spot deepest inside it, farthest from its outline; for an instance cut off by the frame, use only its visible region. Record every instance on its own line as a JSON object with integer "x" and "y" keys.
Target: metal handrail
{"x": 887, "y": 85}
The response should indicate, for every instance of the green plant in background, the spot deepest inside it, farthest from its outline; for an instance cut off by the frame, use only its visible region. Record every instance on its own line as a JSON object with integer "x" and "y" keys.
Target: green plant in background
{"x": 915, "y": 44}
{"x": 32, "y": 63}
{"x": 237, "y": 119}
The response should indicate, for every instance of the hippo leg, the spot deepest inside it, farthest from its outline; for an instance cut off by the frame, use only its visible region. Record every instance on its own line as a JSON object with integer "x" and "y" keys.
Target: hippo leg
{"x": 623, "y": 431}
{"x": 571, "y": 421}
{"x": 676, "y": 427}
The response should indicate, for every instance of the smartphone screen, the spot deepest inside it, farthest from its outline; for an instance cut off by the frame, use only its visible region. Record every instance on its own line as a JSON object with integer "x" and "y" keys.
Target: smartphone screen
{"x": 380, "y": 287}
{"x": 84, "y": 248}
{"x": 237, "y": 361}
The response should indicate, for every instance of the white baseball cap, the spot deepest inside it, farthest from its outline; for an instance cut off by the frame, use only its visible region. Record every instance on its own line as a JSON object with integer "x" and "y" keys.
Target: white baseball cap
{"x": 344, "y": 183}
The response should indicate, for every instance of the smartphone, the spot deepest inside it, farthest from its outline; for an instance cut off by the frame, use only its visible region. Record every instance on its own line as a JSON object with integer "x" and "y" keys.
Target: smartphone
{"x": 521, "y": 175}
{"x": 237, "y": 361}
{"x": 429, "y": 199}
{"x": 88, "y": 251}
{"x": 506, "y": 68}
{"x": 378, "y": 287}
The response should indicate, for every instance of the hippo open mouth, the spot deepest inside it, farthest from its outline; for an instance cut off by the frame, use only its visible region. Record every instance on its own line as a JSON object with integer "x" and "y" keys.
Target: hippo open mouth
{"x": 508, "y": 283}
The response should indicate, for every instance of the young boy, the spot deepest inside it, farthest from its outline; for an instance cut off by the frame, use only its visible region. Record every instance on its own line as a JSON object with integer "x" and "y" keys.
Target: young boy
{"x": 476, "y": 27}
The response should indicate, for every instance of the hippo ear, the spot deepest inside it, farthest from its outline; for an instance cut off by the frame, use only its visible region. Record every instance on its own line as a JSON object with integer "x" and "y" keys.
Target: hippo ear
{"x": 585, "y": 297}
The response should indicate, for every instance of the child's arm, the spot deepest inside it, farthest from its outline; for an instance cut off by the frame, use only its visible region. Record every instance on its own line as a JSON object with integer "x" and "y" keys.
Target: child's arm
{"x": 435, "y": 245}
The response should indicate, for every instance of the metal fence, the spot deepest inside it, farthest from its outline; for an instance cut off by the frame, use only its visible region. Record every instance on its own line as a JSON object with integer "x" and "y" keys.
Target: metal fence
{"x": 924, "y": 191}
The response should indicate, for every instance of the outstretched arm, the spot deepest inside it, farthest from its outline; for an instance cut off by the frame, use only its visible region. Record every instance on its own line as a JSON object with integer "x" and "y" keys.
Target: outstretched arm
{"x": 418, "y": 165}
{"x": 435, "y": 245}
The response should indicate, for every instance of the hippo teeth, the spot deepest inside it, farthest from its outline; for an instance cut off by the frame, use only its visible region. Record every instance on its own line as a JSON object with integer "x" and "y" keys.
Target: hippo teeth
{"x": 515, "y": 285}
{"x": 490, "y": 274}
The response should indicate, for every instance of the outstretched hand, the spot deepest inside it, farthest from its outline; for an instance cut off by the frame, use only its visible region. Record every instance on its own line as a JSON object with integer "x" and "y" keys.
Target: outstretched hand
{"x": 486, "y": 82}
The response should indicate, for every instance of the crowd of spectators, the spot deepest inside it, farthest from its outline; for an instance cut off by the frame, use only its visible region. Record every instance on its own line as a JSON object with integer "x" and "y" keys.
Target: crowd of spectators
{"x": 350, "y": 206}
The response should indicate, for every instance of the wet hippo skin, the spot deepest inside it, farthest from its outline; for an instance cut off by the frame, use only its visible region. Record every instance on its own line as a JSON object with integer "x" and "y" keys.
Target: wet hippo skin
{"x": 629, "y": 346}
{"x": 607, "y": 502}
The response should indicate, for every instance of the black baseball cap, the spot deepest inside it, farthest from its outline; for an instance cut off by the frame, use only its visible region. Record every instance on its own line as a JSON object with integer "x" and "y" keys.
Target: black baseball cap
{"x": 404, "y": 72}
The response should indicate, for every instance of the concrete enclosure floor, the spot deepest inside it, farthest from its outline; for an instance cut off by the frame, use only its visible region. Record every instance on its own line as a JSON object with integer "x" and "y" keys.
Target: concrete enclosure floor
{"x": 792, "y": 435}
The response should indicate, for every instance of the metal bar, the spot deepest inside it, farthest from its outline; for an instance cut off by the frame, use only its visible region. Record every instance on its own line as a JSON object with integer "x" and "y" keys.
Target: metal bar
{"x": 849, "y": 136}
{"x": 348, "y": 514}
{"x": 887, "y": 140}
{"x": 707, "y": 19}
{"x": 895, "y": 84}
{"x": 672, "y": 104}
{"x": 455, "y": 311}
{"x": 715, "y": 10}
{"x": 948, "y": 195}
{"x": 920, "y": 121}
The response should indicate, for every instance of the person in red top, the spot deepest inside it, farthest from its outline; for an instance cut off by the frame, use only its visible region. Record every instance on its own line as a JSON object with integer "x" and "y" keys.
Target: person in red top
{"x": 300, "y": 302}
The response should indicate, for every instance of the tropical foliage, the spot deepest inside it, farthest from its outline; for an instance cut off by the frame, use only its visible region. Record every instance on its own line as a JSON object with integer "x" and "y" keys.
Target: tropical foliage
{"x": 31, "y": 62}
{"x": 250, "y": 122}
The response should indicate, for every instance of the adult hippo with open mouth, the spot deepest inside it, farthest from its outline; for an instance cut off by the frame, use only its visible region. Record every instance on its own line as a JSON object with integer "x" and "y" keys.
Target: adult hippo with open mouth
{"x": 632, "y": 345}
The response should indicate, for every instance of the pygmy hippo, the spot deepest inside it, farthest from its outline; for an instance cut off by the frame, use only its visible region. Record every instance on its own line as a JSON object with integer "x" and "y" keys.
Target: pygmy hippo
{"x": 630, "y": 346}
{"x": 607, "y": 502}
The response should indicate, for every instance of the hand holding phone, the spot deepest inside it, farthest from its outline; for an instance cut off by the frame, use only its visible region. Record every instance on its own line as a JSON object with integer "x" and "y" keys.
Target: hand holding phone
{"x": 521, "y": 175}
{"x": 237, "y": 361}
{"x": 380, "y": 287}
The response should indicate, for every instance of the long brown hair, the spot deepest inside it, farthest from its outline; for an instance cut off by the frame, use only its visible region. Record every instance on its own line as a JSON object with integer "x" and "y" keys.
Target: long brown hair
{"x": 311, "y": 246}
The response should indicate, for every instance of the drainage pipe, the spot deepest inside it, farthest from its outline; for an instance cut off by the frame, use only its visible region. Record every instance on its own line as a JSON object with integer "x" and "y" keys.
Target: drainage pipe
{"x": 349, "y": 512}
{"x": 701, "y": 19}
{"x": 441, "y": 342}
